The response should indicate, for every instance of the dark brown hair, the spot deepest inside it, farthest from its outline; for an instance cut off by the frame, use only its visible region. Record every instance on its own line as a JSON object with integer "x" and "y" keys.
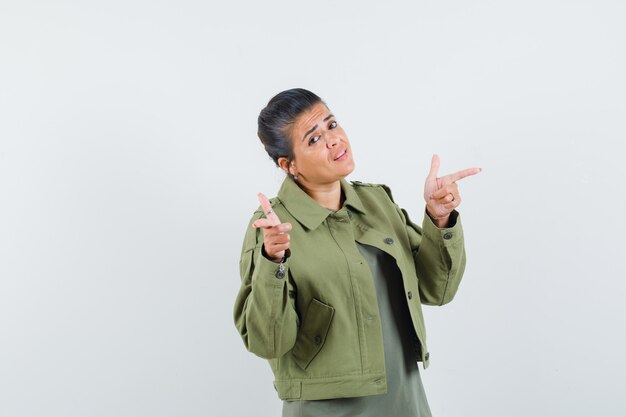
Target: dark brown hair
{"x": 277, "y": 117}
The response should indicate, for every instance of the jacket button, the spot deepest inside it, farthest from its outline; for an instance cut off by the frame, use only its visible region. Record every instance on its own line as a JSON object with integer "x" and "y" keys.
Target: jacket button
{"x": 388, "y": 240}
{"x": 427, "y": 355}
{"x": 279, "y": 274}
{"x": 410, "y": 295}
{"x": 447, "y": 235}
{"x": 318, "y": 339}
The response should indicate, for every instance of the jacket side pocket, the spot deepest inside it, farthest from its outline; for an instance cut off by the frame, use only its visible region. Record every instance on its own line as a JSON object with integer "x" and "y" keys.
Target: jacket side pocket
{"x": 313, "y": 332}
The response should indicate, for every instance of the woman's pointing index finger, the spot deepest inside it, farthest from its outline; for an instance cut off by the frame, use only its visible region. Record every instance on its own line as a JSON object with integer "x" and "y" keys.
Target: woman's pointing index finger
{"x": 464, "y": 173}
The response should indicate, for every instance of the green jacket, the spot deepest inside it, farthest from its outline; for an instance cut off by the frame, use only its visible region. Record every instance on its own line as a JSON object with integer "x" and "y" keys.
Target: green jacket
{"x": 315, "y": 317}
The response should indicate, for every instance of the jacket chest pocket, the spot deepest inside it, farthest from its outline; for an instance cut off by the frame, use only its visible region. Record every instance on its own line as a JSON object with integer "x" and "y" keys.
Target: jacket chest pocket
{"x": 312, "y": 333}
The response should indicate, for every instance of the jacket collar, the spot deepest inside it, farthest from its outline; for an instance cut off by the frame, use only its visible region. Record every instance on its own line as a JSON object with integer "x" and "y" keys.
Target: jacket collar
{"x": 308, "y": 211}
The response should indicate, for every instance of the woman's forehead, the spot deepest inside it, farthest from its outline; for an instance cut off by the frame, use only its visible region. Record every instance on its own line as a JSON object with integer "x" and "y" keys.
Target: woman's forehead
{"x": 312, "y": 116}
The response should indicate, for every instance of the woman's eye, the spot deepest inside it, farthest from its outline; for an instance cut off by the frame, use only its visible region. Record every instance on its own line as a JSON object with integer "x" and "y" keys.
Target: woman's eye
{"x": 333, "y": 124}
{"x": 313, "y": 140}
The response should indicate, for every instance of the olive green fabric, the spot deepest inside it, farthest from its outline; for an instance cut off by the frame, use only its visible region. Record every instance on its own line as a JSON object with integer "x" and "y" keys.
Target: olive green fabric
{"x": 314, "y": 317}
{"x": 405, "y": 395}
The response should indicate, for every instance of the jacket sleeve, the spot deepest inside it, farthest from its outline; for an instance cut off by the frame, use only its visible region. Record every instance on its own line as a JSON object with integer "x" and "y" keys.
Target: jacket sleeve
{"x": 264, "y": 311}
{"x": 439, "y": 255}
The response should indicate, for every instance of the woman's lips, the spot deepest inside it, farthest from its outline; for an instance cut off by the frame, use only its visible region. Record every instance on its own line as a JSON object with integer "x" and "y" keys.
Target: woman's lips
{"x": 343, "y": 156}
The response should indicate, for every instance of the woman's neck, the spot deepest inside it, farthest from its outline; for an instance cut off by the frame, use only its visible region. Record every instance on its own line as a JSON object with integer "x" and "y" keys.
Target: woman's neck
{"x": 326, "y": 195}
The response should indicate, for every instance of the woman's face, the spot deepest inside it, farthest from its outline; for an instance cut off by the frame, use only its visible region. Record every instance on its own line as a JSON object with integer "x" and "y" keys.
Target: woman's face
{"x": 321, "y": 148}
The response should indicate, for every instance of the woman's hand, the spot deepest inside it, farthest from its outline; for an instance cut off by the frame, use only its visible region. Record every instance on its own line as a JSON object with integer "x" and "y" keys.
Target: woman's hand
{"x": 275, "y": 237}
{"x": 442, "y": 193}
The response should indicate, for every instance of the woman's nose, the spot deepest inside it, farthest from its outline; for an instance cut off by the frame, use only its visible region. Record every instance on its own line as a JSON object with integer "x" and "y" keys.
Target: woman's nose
{"x": 331, "y": 140}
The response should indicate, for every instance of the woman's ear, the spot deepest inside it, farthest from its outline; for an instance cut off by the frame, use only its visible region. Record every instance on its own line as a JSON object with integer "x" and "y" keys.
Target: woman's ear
{"x": 283, "y": 163}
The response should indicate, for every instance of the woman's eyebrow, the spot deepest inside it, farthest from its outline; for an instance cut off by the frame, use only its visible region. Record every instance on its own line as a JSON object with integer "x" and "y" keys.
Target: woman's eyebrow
{"x": 315, "y": 127}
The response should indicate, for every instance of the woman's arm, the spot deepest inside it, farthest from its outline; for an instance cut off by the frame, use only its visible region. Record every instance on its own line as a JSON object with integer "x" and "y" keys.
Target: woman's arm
{"x": 438, "y": 253}
{"x": 264, "y": 312}
{"x": 439, "y": 259}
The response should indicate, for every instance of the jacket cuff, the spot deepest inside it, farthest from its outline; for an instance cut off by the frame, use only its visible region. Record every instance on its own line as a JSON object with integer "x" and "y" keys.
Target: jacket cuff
{"x": 448, "y": 236}
{"x": 270, "y": 271}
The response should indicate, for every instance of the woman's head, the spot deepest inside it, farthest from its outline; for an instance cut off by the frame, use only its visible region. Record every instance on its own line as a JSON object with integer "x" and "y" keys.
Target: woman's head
{"x": 303, "y": 137}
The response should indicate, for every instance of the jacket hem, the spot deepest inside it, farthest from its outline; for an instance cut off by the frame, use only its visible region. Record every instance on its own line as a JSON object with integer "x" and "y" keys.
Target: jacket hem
{"x": 327, "y": 388}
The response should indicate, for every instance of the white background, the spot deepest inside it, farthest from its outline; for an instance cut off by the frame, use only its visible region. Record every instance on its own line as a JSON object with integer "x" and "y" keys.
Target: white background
{"x": 129, "y": 167}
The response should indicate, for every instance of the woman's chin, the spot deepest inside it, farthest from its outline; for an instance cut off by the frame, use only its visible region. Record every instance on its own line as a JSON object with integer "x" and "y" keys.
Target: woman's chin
{"x": 349, "y": 168}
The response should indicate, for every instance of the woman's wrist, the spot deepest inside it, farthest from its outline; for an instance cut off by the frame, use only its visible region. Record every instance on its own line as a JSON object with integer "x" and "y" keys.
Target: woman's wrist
{"x": 275, "y": 260}
{"x": 440, "y": 222}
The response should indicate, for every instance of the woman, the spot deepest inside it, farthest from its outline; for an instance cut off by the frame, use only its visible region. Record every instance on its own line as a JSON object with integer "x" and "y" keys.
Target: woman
{"x": 333, "y": 274}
